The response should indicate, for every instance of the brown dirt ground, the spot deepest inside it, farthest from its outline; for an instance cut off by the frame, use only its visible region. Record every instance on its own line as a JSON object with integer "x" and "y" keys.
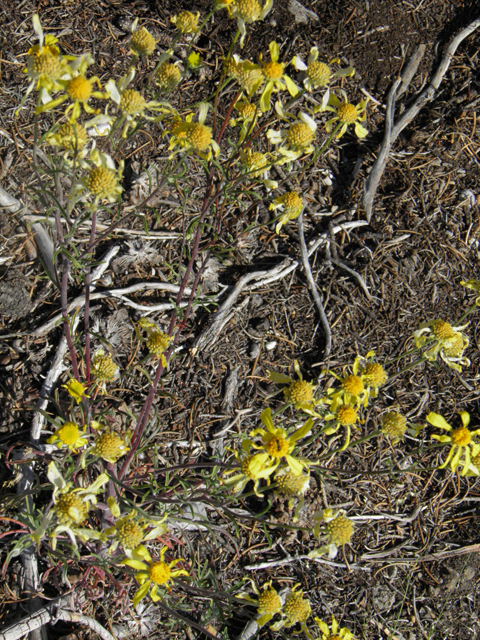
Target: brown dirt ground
{"x": 423, "y": 239}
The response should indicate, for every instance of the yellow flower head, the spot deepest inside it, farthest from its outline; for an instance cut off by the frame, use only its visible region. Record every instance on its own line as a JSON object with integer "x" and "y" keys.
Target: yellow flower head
{"x": 346, "y": 114}
{"x": 318, "y": 74}
{"x": 130, "y": 531}
{"x": 142, "y": 43}
{"x": 275, "y": 77}
{"x": 168, "y": 76}
{"x": 245, "y": 11}
{"x": 296, "y": 608}
{"x": 104, "y": 368}
{"x": 448, "y": 341}
{"x": 255, "y": 467}
{"x": 371, "y": 372}
{"x": 70, "y": 509}
{"x": 394, "y": 425}
{"x": 157, "y": 341}
{"x": 333, "y": 632}
{"x": 256, "y": 164}
{"x": 132, "y": 102}
{"x": 297, "y": 139}
{"x": 151, "y": 574}
{"x": 103, "y": 179}
{"x": 291, "y": 485}
{"x": 299, "y": 392}
{"x": 340, "y": 530}
{"x": 248, "y": 75}
{"x": 110, "y": 446}
{"x": 268, "y": 602}
{"x": 278, "y": 444}
{"x": 76, "y": 390}
{"x": 68, "y": 435}
{"x": 291, "y": 205}
{"x": 335, "y": 528}
{"x": 463, "y": 442}
{"x": 186, "y": 22}
{"x": 342, "y": 415}
{"x": 195, "y": 136}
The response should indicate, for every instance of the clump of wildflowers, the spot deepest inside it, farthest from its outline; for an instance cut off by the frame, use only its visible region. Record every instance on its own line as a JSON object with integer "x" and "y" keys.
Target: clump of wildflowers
{"x": 463, "y": 442}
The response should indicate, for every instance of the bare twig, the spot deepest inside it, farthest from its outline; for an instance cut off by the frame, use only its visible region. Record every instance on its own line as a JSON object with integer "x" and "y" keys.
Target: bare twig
{"x": 313, "y": 288}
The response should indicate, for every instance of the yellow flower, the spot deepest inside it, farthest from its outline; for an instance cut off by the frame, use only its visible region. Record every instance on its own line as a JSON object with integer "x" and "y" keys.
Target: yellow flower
{"x": 78, "y": 89}
{"x": 296, "y": 140}
{"x": 245, "y": 11}
{"x": 333, "y": 632}
{"x": 103, "y": 179}
{"x": 278, "y": 444}
{"x": 168, "y": 75}
{"x": 257, "y": 166}
{"x": 104, "y": 368}
{"x": 449, "y": 342}
{"x": 186, "y": 22}
{"x": 296, "y": 609}
{"x": 268, "y": 602}
{"x": 371, "y": 372}
{"x": 337, "y": 531}
{"x": 291, "y": 485}
{"x": 346, "y": 114}
{"x": 299, "y": 392}
{"x": 131, "y": 103}
{"x": 463, "y": 441}
{"x": 142, "y": 43}
{"x": 194, "y": 136}
{"x": 318, "y": 74}
{"x": 76, "y": 390}
{"x": 248, "y": 75}
{"x": 251, "y": 467}
{"x": 152, "y": 573}
{"x": 45, "y": 66}
{"x": 157, "y": 341}
{"x": 344, "y": 415}
{"x": 475, "y": 285}
{"x": 70, "y": 508}
{"x": 276, "y": 79}
{"x": 70, "y": 436}
{"x": 129, "y": 531}
{"x": 394, "y": 425}
{"x": 109, "y": 446}
{"x": 291, "y": 203}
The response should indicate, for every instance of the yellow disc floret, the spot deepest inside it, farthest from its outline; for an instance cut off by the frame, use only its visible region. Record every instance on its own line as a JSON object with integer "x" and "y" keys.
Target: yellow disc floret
{"x": 132, "y": 102}
{"x": 340, "y": 530}
{"x": 102, "y": 182}
{"x": 374, "y": 374}
{"x": 255, "y": 162}
{"x": 299, "y": 392}
{"x": 461, "y": 436}
{"x": 79, "y": 88}
{"x": 319, "y": 73}
{"x": 353, "y": 385}
{"x": 273, "y": 70}
{"x": 70, "y": 509}
{"x": 109, "y": 446}
{"x": 68, "y": 433}
{"x": 247, "y": 78}
{"x": 394, "y": 424}
{"x": 142, "y": 42}
{"x": 299, "y": 135}
{"x": 269, "y": 602}
{"x": 248, "y": 468}
{"x": 129, "y": 534}
{"x": 199, "y": 136}
{"x": 277, "y": 447}
{"x": 442, "y": 330}
{"x": 456, "y": 346}
{"x": 346, "y": 416}
{"x": 347, "y": 113}
{"x": 159, "y": 572}
{"x": 48, "y": 65}
{"x": 168, "y": 76}
{"x": 296, "y": 608}
{"x": 247, "y": 110}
